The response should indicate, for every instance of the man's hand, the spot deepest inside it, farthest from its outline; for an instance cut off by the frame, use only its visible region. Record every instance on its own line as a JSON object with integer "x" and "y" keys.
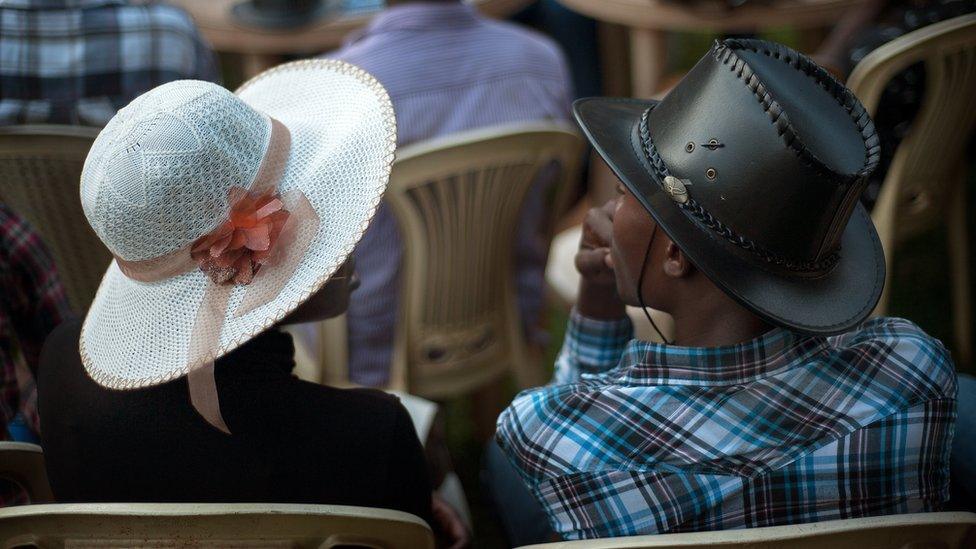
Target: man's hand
{"x": 592, "y": 259}
{"x": 450, "y": 529}
{"x": 598, "y": 287}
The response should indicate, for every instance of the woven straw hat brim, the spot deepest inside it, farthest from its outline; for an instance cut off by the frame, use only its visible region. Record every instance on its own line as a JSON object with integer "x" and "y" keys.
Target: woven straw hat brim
{"x": 343, "y": 139}
{"x": 824, "y": 305}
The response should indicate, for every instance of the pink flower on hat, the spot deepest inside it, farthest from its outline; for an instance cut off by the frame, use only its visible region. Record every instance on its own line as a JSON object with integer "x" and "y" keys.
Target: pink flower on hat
{"x": 234, "y": 251}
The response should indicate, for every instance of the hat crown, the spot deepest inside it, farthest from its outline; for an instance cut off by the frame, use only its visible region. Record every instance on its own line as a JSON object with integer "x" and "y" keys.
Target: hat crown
{"x": 158, "y": 175}
{"x": 776, "y": 151}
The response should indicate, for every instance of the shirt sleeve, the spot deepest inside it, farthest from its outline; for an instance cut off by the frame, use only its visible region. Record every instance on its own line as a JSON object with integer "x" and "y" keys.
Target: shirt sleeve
{"x": 590, "y": 347}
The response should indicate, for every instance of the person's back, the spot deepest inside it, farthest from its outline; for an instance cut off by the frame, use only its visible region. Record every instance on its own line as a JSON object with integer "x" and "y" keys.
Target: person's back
{"x": 293, "y": 441}
{"x": 782, "y": 429}
{"x": 79, "y": 61}
{"x": 777, "y": 401}
{"x": 448, "y": 69}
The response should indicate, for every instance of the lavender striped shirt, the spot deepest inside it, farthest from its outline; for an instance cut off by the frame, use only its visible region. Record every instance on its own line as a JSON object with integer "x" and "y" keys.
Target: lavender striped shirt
{"x": 447, "y": 69}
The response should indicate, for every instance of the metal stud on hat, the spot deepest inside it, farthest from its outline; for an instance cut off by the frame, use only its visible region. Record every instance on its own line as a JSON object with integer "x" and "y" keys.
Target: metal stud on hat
{"x": 677, "y": 188}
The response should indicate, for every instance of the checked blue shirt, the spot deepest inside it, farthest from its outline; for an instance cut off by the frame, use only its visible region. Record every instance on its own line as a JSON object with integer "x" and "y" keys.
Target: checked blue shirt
{"x": 80, "y": 61}
{"x": 640, "y": 438}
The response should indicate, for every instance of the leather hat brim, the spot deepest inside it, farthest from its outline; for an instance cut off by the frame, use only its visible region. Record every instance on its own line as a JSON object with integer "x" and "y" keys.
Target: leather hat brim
{"x": 827, "y": 304}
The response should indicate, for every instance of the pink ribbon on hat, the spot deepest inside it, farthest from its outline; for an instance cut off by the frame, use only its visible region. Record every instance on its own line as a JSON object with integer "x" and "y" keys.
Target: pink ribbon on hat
{"x": 259, "y": 246}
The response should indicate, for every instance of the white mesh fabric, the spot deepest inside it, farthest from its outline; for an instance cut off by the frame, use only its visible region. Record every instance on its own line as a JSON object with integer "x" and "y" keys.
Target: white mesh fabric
{"x": 158, "y": 174}
{"x": 343, "y": 136}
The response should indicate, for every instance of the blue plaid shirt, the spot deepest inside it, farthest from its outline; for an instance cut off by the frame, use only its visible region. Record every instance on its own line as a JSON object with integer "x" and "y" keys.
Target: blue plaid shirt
{"x": 640, "y": 438}
{"x": 79, "y": 61}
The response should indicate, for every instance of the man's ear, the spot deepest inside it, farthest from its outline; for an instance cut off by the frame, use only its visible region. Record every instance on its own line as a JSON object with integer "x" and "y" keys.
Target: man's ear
{"x": 676, "y": 265}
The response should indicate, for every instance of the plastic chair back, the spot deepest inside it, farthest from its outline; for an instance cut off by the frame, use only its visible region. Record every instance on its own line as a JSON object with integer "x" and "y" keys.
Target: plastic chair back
{"x": 23, "y": 464}
{"x": 457, "y": 202}
{"x": 40, "y": 171}
{"x": 925, "y": 182}
{"x": 210, "y": 525}
{"x": 916, "y": 531}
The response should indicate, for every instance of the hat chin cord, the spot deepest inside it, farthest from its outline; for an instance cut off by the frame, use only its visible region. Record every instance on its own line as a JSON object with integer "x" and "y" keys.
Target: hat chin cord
{"x": 640, "y": 285}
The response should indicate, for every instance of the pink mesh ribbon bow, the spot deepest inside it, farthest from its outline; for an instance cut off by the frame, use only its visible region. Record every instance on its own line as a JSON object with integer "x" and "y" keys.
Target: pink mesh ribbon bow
{"x": 235, "y": 251}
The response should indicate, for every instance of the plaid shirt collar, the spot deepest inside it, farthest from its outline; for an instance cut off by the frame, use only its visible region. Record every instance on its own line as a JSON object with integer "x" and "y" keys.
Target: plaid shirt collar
{"x": 57, "y": 4}
{"x": 774, "y": 352}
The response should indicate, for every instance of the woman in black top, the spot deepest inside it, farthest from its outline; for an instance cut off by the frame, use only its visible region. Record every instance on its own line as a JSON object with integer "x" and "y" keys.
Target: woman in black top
{"x": 229, "y": 215}
{"x": 293, "y": 441}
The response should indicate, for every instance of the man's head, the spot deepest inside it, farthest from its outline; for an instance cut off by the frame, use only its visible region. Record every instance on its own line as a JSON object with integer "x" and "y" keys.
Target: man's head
{"x": 753, "y": 165}
{"x": 665, "y": 276}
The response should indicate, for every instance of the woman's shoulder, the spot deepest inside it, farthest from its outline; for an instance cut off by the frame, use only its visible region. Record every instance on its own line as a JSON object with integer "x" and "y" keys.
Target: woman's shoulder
{"x": 61, "y": 345}
{"x": 67, "y": 331}
{"x": 360, "y": 397}
{"x": 350, "y": 410}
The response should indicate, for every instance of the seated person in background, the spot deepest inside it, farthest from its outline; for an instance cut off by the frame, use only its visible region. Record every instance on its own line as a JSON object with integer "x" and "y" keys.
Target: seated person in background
{"x": 448, "y": 69}
{"x": 32, "y": 303}
{"x": 228, "y": 215}
{"x": 877, "y": 22}
{"x": 868, "y": 27}
{"x": 79, "y": 61}
{"x": 776, "y": 403}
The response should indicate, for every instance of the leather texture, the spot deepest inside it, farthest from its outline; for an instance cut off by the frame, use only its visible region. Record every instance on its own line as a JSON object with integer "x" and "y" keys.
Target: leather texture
{"x": 774, "y": 153}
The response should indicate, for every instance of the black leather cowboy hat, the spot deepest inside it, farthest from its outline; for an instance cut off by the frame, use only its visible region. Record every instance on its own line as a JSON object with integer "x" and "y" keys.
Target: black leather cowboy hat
{"x": 753, "y": 165}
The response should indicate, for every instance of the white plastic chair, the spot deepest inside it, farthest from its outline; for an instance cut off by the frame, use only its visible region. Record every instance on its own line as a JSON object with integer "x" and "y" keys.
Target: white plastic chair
{"x": 40, "y": 170}
{"x": 23, "y": 464}
{"x": 457, "y": 200}
{"x": 210, "y": 525}
{"x": 925, "y": 183}
{"x": 915, "y": 531}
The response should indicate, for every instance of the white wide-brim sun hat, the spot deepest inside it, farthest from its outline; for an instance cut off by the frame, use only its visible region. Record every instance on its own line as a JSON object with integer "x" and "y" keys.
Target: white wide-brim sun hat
{"x": 157, "y": 179}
